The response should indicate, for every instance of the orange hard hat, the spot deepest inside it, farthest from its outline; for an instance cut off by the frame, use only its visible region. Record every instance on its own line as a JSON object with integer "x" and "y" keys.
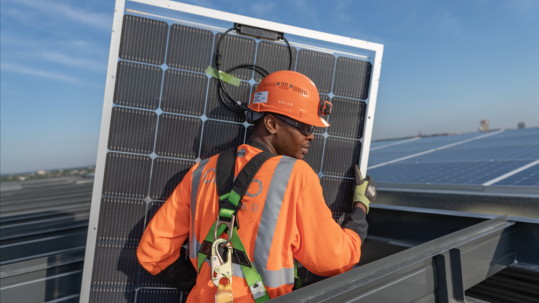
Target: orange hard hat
{"x": 291, "y": 94}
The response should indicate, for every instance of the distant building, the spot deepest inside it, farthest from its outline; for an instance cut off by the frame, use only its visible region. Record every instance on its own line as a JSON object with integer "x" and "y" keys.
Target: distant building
{"x": 484, "y": 126}
{"x": 521, "y": 125}
{"x": 40, "y": 172}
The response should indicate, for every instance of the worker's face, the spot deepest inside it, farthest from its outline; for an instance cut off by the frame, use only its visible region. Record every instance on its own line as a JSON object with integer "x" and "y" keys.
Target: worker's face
{"x": 289, "y": 140}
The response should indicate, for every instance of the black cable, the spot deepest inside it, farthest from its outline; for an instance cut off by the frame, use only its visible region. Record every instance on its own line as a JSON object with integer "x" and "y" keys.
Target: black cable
{"x": 222, "y": 88}
{"x": 218, "y": 53}
{"x": 289, "y": 51}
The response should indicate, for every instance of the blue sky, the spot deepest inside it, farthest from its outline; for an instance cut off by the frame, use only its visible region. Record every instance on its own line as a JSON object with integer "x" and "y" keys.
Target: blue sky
{"x": 447, "y": 65}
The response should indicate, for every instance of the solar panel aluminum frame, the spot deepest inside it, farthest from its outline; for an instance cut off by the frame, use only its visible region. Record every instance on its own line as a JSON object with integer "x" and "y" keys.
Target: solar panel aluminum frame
{"x": 205, "y": 12}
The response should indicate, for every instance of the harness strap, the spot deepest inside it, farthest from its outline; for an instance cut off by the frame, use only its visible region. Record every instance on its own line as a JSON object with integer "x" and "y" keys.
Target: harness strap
{"x": 230, "y": 193}
{"x": 252, "y": 277}
{"x": 224, "y": 176}
{"x": 297, "y": 279}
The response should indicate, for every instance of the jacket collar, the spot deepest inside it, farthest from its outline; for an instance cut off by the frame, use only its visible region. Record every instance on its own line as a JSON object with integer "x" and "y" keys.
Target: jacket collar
{"x": 258, "y": 145}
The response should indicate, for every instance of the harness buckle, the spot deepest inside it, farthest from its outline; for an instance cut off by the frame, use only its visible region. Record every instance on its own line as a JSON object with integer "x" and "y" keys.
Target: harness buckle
{"x": 219, "y": 268}
{"x": 230, "y": 226}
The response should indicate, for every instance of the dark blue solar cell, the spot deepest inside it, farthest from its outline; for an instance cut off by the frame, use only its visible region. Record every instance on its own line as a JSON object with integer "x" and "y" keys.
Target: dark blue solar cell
{"x": 425, "y": 144}
{"x": 385, "y": 144}
{"x": 522, "y": 132}
{"x": 505, "y": 138}
{"x": 477, "y": 172}
{"x": 376, "y": 157}
{"x": 521, "y": 152}
{"x": 527, "y": 177}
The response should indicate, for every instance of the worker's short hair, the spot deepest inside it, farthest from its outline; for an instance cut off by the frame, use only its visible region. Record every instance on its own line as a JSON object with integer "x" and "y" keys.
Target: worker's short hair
{"x": 258, "y": 118}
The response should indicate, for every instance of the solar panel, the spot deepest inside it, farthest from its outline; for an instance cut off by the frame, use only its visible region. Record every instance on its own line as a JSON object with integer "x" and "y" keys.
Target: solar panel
{"x": 495, "y": 158}
{"x": 527, "y": 177}
{"x": 163, "y": 113}
{"x": 465, "y": 172}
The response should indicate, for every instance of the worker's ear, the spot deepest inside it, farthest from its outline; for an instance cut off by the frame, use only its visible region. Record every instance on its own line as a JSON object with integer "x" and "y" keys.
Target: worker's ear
{"x": 271, "y": 124}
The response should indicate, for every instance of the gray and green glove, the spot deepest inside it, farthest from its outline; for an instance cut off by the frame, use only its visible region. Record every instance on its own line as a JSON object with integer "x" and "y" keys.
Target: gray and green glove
{"x": 365, "y": 191}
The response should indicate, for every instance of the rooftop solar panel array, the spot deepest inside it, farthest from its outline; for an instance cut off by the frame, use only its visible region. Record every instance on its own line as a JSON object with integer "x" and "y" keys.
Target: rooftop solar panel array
{"x": 167, "y": 115}
{"x": 495, "y": 158}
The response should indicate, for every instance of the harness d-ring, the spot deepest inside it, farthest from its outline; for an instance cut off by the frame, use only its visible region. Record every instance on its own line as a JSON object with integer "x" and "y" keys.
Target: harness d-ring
{"x": 230, "y": 226}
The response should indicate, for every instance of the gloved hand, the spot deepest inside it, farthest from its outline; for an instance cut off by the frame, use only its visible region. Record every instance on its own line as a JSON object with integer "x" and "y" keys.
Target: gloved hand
{"x": 365, "y": 191}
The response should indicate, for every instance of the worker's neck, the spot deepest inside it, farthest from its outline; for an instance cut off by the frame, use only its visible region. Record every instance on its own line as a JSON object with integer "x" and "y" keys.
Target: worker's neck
{"x": 264, "y": 141}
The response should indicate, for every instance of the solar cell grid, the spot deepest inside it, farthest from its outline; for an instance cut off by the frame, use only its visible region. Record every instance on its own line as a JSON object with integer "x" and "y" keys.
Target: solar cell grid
{"x": 527, "y": 177}
{"x": 174, "y": 132}
{"x": 352, "y": 78}
{"x": 143, "y": 40}
{"x": 119, "y": 220}
{"x": 189, "y": 48}
{"x": 127, "y": 175}
{"x": 340, "y": 155}
{"x": 318, "y": 67}
{"x": 477, "y": 172}
{"x": 219, "y": 136}
{"x": 337, "y": 192}
{"x": 170, "y": 116}
{"x": 376, "y": 157}
{"x": 132, "y": 130}
{"x": 347, "y": 118}
{"x": 138, "y": 85}
{"x": 503, "y": 139}
{"x": 491, "y": 155}
{"x": 184, "y": 92}
{"x": 427, "y": 143}
{"x": 159, "y": 296}
{"x": 118, "y": 266}
{"x": 386, "y": 142}
{"x": 480, "y": 154}
{"x": 215, "y": 108}
{"x": 522, "y": 132}
{"x": 166, "y": 175}
{"x": 274, "y": 57}
{"x": 236, "y": 50}
{"x": 111, "y": 295}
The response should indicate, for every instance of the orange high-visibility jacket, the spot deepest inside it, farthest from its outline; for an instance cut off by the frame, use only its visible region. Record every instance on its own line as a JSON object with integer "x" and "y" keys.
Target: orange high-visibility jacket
{"x": 283, "y": 217}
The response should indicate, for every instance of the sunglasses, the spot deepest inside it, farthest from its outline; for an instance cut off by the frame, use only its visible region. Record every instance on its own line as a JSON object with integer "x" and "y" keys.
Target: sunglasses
{"x": 305, "y": 129}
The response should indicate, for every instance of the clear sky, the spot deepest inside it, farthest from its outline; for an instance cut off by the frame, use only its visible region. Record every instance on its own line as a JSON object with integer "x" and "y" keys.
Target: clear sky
{"x": 447, "y": 65}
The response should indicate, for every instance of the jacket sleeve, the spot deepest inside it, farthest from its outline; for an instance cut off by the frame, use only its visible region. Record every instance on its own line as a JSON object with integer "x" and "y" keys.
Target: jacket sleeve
{"x": 325, "y": 248}
{"x": 164, "y": 236}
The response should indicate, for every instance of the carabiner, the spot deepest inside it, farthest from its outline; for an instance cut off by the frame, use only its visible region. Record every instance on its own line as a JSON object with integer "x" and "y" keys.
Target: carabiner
{"x": 230, "y": 226}
{"x": 220, "y": 269}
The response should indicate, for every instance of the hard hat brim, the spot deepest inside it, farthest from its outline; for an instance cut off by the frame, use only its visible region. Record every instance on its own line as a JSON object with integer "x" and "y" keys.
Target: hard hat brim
{"x": 315, "y": 121}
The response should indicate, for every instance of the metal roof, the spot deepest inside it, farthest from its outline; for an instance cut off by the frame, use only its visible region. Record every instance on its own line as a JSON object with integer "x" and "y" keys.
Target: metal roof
{"x": 43, "y": 228}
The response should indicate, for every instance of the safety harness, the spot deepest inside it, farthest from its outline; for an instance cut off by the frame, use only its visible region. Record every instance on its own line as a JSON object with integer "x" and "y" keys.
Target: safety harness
{"x": 230, "y": 192}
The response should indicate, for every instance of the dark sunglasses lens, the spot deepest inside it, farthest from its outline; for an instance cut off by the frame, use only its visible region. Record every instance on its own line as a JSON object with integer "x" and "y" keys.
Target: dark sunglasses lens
{"x": 307, "y": 129}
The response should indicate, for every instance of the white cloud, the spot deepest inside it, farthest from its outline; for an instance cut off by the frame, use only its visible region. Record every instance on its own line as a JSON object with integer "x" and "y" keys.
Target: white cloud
{"x": 38, "y": 73}
{"x": 71, "y": 61}
{"x": 97, "y": 20}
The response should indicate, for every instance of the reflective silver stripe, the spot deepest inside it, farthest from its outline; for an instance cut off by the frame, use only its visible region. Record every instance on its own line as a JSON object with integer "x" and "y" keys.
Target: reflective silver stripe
{"x": 268, "y": 222}
{"x": 197, "y": 173}
{"x": 194, "y": 246}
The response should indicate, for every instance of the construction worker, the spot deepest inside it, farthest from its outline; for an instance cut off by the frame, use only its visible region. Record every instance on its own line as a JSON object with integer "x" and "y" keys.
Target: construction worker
{"x": 282, "y": 216}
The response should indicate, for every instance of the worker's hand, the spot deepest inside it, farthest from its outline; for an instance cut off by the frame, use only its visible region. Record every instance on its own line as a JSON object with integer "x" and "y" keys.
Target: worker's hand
{"x": 365, "y": 190}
